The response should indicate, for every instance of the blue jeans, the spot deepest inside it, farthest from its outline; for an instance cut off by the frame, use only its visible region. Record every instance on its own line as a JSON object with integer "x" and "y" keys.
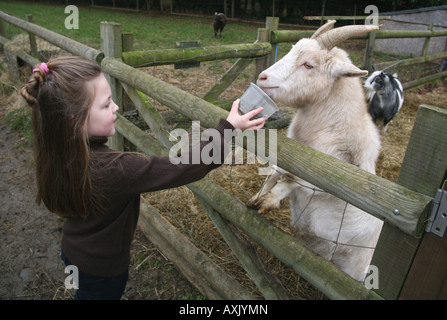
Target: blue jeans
{"x": 99, "y": 288}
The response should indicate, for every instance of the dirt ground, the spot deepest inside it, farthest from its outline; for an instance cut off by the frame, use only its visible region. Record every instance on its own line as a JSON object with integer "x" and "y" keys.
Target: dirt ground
{"x": 30, "y": 264}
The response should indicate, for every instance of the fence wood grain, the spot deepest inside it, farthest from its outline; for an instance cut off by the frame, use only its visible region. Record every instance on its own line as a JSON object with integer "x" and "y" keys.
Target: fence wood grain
{"x": 269, "y": 286}
{"x": 189, "y": 105}
{"x": 111, "y": 45}
{"x": 208, "y": 278}
{"x": 197, "y": 54}
{"x": 279, "y": 36}
{"x": 423, "y": 170}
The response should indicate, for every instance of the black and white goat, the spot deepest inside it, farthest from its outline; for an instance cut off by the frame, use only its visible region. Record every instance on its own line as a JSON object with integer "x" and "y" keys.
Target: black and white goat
{"x": 220, "y": 20}
{"x": 385, "y": 97}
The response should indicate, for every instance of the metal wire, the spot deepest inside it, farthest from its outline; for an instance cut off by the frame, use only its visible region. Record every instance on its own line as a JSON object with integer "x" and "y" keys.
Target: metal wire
{"x": 314, "y": 191}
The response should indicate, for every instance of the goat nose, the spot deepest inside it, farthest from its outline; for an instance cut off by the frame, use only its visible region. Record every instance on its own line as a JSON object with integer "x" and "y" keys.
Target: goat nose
{"x": 262, "y": 76}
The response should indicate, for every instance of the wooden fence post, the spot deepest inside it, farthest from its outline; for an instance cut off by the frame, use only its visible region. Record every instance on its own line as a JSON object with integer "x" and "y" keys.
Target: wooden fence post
{"x": 427, "y": 42}
{"x": 2, "y": 29}
{"x": 264, "y": 35}
{"x": 111, "y": 45}
{"x": 13, "y": 66}
{"x": 187, "y": 44}
{"x": 127, "y": 42}
{"x": 261, "y": 63}
{"x": 32, "y": 37}
{"x": 424, "y": 50}
{"x": 271, "y": 24}
{"x": 423, "y": 170}
{"x": 369, "y": 50}
{"x": 427, "y": 278}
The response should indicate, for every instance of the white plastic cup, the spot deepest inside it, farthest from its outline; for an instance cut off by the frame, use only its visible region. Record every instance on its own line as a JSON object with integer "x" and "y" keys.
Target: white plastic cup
{"x": 255, "y": 98}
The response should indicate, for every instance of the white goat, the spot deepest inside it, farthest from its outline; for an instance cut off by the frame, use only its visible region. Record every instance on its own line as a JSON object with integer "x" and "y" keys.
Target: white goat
{"x": 320, "y": 81}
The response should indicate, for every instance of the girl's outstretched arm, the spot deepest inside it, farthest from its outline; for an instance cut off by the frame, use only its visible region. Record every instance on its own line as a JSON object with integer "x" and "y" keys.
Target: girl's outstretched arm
{"x": 243, "y": 122}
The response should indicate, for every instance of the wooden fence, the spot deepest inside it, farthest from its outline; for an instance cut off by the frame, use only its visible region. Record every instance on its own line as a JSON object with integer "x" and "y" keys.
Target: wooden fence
{"x": 279, "y": 36}
{"x": 405, "y": 206}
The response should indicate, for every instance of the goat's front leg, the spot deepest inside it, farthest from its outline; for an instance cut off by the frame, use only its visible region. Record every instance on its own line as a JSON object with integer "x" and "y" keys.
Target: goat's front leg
{"x": 277, "y": 187}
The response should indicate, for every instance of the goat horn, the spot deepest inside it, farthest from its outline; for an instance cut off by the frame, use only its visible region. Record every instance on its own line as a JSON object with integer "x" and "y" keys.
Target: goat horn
{"x": 333, "y": 37}
{"x": 324, "y": 28}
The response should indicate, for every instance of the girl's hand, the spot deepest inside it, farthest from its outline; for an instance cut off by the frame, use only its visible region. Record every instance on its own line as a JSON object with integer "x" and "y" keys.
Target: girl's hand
{"x": 243, "y": 122}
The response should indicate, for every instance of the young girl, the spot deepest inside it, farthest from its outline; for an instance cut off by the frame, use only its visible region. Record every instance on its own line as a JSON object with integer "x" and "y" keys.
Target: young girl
{"x": 95, "y": 188}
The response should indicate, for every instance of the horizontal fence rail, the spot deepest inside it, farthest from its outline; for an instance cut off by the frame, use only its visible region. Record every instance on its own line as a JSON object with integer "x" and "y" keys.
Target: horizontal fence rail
{"x": 65, "y": 43}
{"x": 318, "y": 18}
{"x": 279, "y": 36}
{"x": 199, "y": 54}
{"x": 410, "y": 61}
{"x": 369, "y": 192}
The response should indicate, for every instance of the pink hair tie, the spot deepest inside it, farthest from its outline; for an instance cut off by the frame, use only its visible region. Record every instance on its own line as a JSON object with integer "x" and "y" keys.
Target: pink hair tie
{"x": 44, "y": 67}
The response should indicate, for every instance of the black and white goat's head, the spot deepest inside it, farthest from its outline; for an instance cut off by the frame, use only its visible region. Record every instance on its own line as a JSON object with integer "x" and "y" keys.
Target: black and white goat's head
{"x": 385, "y": 96}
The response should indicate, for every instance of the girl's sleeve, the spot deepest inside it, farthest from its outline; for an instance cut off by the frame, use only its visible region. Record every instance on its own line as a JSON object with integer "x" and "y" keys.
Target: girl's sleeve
{"x": 143, "y": 174}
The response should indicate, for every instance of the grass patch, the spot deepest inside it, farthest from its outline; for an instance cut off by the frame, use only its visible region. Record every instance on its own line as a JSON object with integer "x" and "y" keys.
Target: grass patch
{"x": 20, "y": 121}
{"x": 150, "y": 30}
{"x": 191, "y": 296}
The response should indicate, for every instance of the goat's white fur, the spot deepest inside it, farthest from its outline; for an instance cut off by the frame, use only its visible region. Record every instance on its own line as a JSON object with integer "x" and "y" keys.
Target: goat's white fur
{"x": 332, "y": 117}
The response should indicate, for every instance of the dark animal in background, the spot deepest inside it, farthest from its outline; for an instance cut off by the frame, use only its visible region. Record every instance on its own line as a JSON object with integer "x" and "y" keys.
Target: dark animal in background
{"x": 444, "y": 65}
{"x": 219, "y": 23}
{"x": 385, "y": 97}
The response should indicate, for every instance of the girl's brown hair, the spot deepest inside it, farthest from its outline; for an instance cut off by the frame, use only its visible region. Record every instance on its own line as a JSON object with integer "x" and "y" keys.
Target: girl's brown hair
{"x": 60, "y": 100}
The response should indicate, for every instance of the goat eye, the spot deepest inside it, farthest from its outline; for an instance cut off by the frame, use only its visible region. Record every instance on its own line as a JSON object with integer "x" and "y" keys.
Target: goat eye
{"x": 308, "y": 66}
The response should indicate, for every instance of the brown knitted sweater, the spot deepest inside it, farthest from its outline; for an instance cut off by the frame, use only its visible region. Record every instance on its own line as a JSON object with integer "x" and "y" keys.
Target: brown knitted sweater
{"x": 100, "y": 243}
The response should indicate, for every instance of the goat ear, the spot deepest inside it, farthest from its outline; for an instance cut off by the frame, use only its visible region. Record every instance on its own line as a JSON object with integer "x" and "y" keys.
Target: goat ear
{"x": 343, "y": 69}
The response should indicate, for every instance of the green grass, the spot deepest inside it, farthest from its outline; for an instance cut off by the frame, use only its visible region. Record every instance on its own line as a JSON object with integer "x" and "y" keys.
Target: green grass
{"x": 151, "y": 31}
{"x": 191, "y": 296}
{"x": 20, "y": 121}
